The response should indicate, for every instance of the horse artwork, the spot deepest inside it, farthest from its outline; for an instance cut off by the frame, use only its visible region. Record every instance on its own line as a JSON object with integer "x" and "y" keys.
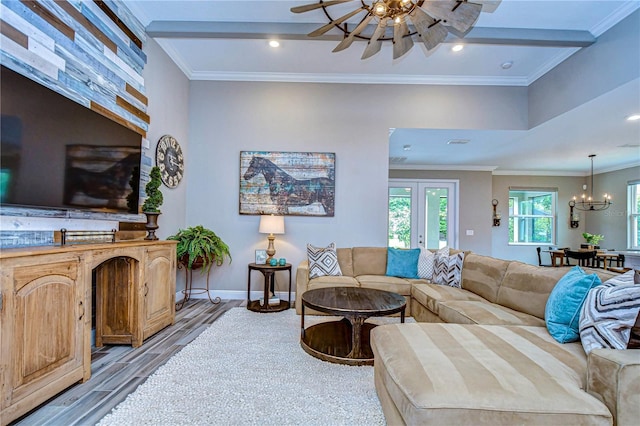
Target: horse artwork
{"x": 287, "y": 183}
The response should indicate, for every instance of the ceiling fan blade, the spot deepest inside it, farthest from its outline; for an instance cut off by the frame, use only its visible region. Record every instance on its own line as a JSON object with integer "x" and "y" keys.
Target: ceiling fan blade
{"x": 375, "y": 43}
{"x": 346, "y": 42}
{"x": 489, "y": 6}
{"x": 431, "y": 32}
{"x": 460, "y": 15}
{"x": 335, "y": 22}
{"x": 402, "y": 42}
{"x": 308, "y": 7}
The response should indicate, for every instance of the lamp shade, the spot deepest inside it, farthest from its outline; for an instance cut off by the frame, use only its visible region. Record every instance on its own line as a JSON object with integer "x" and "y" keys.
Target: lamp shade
{"x": 271, "y": 224}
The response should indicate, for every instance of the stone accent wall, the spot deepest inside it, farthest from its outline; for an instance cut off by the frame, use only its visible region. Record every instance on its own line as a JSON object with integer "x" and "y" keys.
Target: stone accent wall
{"x": 77, "y": 49}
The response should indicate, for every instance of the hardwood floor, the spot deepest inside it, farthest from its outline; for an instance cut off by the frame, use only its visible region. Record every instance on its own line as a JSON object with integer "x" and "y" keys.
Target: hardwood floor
{"x": 116, "y": 371}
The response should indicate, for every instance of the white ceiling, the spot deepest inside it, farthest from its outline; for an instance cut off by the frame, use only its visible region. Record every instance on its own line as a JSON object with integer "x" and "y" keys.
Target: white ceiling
{"x": 234, "y": 34}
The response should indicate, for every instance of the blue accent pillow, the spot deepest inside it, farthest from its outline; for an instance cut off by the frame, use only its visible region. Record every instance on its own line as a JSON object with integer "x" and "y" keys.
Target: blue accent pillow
{"x": 562, "y": 312}
{"x": 402, "y": 263}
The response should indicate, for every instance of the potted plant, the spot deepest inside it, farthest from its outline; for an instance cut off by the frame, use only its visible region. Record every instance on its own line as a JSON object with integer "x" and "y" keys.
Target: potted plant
{"x": 200, "y": 247}
{"x": 592, "y": 239}
{"x": 151, "y": 205}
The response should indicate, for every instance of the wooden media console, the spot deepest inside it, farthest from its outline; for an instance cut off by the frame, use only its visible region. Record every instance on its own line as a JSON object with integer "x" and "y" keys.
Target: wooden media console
{"x": 46, "y": 310}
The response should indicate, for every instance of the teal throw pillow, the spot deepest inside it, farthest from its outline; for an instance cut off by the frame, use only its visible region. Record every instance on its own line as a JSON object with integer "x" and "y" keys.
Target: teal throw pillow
{"x": 402, "y": 263}
{"x": 562, "y": 312}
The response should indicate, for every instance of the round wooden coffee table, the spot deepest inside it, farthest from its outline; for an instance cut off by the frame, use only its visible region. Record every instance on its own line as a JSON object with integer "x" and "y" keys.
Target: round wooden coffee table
{"x": 346, "y": 341}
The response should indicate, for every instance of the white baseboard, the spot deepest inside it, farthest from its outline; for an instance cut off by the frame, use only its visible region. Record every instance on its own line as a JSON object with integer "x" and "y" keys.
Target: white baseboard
{"x": 234, "y": 295}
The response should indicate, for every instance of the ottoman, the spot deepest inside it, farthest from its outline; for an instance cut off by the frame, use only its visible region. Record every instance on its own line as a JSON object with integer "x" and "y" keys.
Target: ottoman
{"x": 445, "y": 374}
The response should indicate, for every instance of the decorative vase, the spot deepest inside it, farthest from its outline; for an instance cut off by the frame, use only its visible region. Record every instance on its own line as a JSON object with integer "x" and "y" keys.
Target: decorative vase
{"x": 151, "y": 225}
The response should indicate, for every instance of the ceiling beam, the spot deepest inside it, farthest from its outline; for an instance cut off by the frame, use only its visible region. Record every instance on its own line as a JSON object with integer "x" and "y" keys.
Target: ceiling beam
{"x": 299, "y": 31}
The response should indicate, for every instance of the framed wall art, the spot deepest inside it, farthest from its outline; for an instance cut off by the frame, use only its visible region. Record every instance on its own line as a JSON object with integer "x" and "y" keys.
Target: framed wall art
{"x": 287, "y": 183}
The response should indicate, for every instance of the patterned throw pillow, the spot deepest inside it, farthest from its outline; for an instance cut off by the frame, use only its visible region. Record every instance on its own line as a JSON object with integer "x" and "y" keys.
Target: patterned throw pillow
{"x": 609, "y": 312}
{"x": 323, "y": 261}
{"x": 447, "y": 270}
{"x": 425, "y": 263}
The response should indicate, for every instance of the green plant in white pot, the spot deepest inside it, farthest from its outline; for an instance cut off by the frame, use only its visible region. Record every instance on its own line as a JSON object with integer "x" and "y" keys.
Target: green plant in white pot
{"x": 199, "y": 247}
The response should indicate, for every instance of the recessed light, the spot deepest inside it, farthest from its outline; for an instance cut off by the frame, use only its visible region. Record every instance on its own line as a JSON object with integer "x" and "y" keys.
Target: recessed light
{"x": 457, "y": 47}
{"x": 458, "y": 141}
{"x": 634, "y": 117}
{"x": 274, "y": 43}
{"x": 407, "y": 148}
{"x": 506, "y": 65}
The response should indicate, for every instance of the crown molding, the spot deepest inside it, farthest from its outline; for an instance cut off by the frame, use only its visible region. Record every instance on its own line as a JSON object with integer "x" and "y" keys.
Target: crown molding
{"x": 618, "y": 15}
{"x": 442, "y": 167}
{"x": 536, "y": 173}
{"x": 358, "y": 78}
{"x": 175, "y": 56}
{"x": 551, "y": 64}
{"x": 566, "y": 173}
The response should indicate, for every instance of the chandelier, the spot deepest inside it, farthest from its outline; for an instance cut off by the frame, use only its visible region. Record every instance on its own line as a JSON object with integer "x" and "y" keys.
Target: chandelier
{"x": 431, "y": 21}
{"x": 588, "y": 203}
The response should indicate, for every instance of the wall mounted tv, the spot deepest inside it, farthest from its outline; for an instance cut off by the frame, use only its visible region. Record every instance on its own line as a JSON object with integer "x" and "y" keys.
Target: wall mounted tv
{"x": 58, "y": 154}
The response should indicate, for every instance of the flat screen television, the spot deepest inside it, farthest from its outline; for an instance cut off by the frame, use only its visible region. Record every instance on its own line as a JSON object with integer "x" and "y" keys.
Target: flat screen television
{"x": 58, "y": 154}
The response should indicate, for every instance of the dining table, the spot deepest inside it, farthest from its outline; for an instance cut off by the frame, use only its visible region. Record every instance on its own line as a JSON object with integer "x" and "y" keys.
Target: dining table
{"x": 558, "y": 256}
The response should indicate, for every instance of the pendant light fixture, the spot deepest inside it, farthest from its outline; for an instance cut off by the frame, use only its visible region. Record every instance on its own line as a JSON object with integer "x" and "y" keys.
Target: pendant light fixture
{"x": 585, "y": 203}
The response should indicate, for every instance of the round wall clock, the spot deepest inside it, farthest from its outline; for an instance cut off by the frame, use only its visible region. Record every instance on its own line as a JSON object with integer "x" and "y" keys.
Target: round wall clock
{"x": 170, "y": 160}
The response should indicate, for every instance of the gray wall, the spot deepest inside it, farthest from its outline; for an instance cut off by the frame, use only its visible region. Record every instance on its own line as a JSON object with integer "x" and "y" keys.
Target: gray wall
{"x": 168, "y": 91}
{"x": 351, "y": 120}
{"x": 611, "y": 62}
{"x": 612, "y": 223}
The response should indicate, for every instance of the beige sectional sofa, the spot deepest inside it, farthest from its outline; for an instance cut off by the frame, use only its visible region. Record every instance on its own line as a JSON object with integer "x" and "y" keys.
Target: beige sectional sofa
{"x": 481, "y": 354}
{"x": 361, "y": 267}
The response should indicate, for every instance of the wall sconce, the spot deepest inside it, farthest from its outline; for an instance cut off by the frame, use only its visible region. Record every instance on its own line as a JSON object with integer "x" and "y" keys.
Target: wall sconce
{"x": 496, "y": 215}
{"x": 574, "y": 218}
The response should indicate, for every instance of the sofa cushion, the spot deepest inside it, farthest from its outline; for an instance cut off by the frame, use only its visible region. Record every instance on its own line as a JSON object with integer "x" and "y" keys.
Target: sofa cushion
{"x": 473, "y": 312}
{"x": 562, "y": 313}
{"x": 323, "y": 261}
{"x": 402, "y": 263}
{"x": 332, "y": 281}
{"x": 345, "y": 259}
{"x": 483, "y": 275}
{"x": 431, "y": 295}
{"x": 369, "y": 260}
{"x": 381, "y": 282}
{"x": 446, "y": 374}
{"x": 526, "y": 288}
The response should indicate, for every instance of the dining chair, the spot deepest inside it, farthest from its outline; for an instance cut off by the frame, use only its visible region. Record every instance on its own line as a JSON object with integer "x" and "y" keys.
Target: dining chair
{"x": 584, "y": 258}
{"x": 539, "y": 249}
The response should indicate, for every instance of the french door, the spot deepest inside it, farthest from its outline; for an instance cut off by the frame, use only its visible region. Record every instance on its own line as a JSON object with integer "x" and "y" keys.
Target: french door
{"x": 423, "y": 213}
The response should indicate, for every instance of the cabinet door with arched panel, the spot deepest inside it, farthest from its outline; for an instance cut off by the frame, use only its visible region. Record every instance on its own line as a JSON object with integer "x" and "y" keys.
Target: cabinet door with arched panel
{"x": 159, "y": 289}
{"x": 45, "y": 320}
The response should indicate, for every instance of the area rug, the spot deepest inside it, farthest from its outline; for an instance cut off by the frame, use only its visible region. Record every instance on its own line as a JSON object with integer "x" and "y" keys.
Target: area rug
{"x": 248, "y": 368}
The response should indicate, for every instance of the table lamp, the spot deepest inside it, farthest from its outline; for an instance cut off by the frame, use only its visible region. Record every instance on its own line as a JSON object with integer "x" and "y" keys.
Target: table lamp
{"x": 271, "y": 224}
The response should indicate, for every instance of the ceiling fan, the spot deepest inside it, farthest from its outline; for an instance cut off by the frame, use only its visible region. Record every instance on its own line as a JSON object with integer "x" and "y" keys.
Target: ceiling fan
{"x": 431, "y": 20}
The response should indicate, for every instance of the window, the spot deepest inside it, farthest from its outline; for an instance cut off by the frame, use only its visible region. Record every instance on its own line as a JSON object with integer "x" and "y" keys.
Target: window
{"x": 532, "y": 214}
{"x": 633, "y": 200}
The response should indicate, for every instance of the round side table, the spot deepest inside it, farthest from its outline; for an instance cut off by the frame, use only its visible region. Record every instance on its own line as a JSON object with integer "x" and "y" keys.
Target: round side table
{"x": 268, "y": 272}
